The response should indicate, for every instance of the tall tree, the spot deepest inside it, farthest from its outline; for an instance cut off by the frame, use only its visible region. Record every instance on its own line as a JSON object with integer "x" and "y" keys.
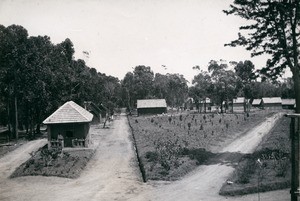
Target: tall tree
{"x": 177, "y": 90}
{"x": 12, "y": 59}
{"x": 274, "y": 29}
{"x": 202, "y": 88}
{"x": 245, "y": 72}
{"x": 224, "y": 82}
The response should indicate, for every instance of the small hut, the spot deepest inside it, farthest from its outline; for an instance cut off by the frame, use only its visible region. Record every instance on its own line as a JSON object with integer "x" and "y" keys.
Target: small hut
{"x": 273, "y": 103}
{"x": 189, "y": 104}
{"x": 205, "y": 105}
{"x": 151, "y": 106}
{"x": 98, "y": 112}
{"x": 239, "y": 104}
{"x": 288, "y": 103}
{"x": 68, "y": 126}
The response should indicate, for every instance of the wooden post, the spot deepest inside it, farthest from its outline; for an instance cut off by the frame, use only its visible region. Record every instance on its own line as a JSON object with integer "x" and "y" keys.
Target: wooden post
{"x": 294, "y": 135}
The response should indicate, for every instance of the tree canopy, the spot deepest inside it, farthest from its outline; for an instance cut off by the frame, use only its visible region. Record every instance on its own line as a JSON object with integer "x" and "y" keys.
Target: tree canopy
{"x": 37, "y": 76}
{"x": 273, "y": 28}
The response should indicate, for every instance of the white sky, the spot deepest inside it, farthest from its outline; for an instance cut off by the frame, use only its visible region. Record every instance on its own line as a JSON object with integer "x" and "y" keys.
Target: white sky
{"x": 121, "y": 34}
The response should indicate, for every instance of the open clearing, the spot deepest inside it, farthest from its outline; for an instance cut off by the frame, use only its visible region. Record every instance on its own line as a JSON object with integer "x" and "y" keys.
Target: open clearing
{"x": 112, "y": 174}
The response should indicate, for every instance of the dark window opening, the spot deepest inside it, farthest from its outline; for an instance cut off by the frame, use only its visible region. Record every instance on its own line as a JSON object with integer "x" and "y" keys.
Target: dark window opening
{"x": 69, "y": 134}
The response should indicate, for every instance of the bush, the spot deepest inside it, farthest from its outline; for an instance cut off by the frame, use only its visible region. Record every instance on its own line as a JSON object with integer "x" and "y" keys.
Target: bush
{"x": 151, "y": 156}
{"x": 200, "y": 154}
{"x": 180, "y": 117}
{"x": 247, "y": 170}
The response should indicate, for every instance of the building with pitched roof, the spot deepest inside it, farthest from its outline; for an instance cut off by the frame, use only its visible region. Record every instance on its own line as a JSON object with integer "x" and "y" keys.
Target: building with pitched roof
{"x": 239, "y": 104}
{"x": 69, "y": 126}
{"x": 256, "y": 103}
{"x": 205, "y": 105}
{"x": 271, "y": 103}
{"x": 98, "y": 112}
{"x": 288, "y": 103}
{"x": 151, "y": 106}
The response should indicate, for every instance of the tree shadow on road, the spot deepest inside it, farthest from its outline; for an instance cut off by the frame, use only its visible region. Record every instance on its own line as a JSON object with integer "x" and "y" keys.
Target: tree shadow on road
{"x": 204, "y": 157}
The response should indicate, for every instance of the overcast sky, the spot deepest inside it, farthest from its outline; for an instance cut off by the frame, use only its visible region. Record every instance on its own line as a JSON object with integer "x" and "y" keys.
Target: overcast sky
{"x": 121, "y": 34}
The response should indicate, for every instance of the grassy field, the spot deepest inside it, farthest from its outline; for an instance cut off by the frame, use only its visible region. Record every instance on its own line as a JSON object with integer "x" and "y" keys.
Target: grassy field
{"x": 171, "y": 146}
{"x": 268, "y": 168}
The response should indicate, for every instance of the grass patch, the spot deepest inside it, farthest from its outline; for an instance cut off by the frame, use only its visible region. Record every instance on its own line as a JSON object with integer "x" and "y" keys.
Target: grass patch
{"x": 268, "y": 168}
{"x": 54, "y": 162}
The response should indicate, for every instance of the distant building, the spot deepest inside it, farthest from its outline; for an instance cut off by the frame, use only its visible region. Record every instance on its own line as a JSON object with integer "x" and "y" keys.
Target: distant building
{"x": 189, "y": 104}
{"x": 288, "y": 103}
{"x": 205, "y": 105}
{"x": 273, "y": 103}
{"x": 239, "y": 104}
{"x": 98, "y": 112}
{"x": 257, "y": 103}
{"x": 68, "y": 126}
{"x": 151, "y": 106}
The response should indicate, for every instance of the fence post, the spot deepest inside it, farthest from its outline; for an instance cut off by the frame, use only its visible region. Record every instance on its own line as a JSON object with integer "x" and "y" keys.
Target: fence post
{"x": 294, "y": 135}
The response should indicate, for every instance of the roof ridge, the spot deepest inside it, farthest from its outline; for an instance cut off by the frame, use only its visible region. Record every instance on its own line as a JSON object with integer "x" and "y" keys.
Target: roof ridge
{"x": 77, "y": 109}
{"x": 60, "y": 108}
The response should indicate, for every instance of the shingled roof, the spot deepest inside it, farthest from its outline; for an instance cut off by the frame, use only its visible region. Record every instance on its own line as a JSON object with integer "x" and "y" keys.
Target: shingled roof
{"x": 151, "y": 103}
{"x": 69, "y": 112}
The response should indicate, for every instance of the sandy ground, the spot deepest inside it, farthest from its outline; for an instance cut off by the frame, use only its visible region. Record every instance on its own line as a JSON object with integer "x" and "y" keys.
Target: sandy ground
{"x": 112, "y": 174}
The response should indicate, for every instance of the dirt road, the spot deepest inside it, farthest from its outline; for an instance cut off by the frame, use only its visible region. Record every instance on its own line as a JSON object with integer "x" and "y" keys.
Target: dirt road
{"x": 205, "y": 182}
{"x": 113, "y": 174}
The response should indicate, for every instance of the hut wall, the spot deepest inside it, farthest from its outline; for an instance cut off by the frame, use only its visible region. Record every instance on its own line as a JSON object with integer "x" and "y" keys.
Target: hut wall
{"x": 69, "y": 132}
{"x": 157, "y": 110}
{"x": 272, "y": 106}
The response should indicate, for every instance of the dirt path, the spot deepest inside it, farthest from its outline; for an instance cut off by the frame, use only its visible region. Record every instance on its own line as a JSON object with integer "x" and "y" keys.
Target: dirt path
{"x": 205, "y": 182}
{"x": 113, "y": 174}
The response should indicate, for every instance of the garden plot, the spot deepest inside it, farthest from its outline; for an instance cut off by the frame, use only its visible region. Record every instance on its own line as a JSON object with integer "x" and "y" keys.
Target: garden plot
{"x": 171, "y": 146}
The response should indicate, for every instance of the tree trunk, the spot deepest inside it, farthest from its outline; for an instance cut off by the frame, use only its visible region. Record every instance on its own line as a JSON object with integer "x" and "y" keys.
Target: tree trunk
{"x": 16, "y": 118}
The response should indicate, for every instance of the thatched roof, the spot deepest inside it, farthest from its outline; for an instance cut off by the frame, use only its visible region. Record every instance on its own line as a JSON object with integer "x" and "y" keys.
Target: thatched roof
{"x": 69, "y": 112}
{"x": 151, "y": 103}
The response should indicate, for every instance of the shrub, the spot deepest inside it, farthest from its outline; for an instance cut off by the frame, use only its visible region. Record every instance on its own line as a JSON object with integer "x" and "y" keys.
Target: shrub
{"x": 170, "y": 119}
{"x": 189, "y": 125}
{"x": 245, "y": 173}
{"x": 227, "y": 125}
{"x": 200, "y": 154}
{"x": 151, "y": 156}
